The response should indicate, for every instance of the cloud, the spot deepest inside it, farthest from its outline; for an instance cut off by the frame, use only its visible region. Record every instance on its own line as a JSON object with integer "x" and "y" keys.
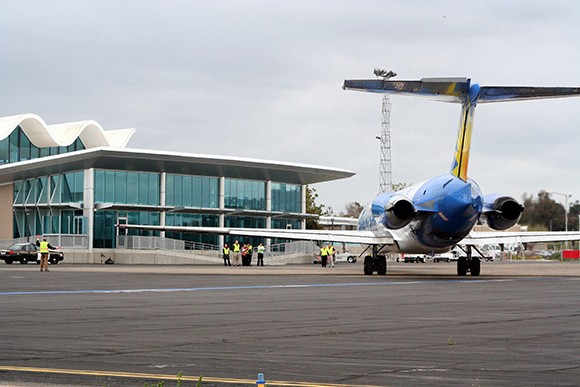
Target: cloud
{"x": 263, "y": 79}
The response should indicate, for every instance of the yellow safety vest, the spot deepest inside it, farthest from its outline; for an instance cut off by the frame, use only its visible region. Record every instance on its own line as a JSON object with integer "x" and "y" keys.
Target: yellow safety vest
{"x": 43, "y": 247}
{"x": 323, "y": 252}
{"x": 236, "y": 247}
{"x": 226, "y": 251}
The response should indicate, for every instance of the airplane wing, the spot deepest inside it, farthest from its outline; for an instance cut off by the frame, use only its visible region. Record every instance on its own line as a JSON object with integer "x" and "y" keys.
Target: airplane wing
{"x": 498, "y": 237}
{"x": 345, "y": 236}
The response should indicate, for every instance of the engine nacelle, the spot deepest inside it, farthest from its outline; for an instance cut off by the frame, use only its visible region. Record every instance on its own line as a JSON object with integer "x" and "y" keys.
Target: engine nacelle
{"x": 501, "y": 212}
{"x": 393, "y": 210}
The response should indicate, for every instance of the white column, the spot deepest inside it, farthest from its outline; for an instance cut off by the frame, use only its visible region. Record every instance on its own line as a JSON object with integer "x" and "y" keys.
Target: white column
{"x": 89, "y": 204}
{"x": 269, "y": 210}
{"x": 303, "y": 205}
{"x": 222, "y": 206}
{"x": 162, "y": 200}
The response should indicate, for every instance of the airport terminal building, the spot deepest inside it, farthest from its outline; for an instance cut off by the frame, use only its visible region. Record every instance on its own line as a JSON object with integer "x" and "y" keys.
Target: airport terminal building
{"x": 75, "y": 182}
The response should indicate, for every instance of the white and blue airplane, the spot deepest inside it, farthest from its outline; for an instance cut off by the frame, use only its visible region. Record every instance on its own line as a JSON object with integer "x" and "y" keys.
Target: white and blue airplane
{"x": 439, "y": 213}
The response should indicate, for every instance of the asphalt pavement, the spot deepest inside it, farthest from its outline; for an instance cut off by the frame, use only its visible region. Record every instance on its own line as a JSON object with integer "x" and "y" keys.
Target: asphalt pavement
{"x": 300, "y": 325}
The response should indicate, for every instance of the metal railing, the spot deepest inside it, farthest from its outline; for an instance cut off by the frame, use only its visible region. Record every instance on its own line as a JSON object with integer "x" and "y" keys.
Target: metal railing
{"x": 135, "y": 242}
{"x": 292, "y": 248}
{"x": 61, "y": 240}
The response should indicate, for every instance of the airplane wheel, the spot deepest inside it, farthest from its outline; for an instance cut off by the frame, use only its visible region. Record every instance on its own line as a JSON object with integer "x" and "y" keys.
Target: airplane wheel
{"x": 462, "y": 266}
{"x": 381, "y": 265}
{"x": 475, "y": 266}
{"x": 368, "y": 265}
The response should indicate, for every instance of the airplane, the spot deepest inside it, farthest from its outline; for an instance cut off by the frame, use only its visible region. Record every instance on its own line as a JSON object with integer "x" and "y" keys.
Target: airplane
{"x": 439, "y": 213}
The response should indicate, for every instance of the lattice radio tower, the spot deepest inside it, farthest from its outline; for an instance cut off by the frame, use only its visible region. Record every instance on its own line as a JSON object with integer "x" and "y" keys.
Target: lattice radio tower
{"x": 385, "y": 171}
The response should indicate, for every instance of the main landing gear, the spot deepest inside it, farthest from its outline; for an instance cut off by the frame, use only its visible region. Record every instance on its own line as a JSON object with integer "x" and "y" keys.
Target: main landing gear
{"x": 375, "y": 262}
{"x": 468, "y": 263}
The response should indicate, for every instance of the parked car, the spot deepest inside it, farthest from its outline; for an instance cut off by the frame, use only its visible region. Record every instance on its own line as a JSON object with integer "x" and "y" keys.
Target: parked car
{"x": 340, "y": 257}
{"x": 413, "y": 258}
{"x": 446, "y": 257}
{"x": 28, "y": 252}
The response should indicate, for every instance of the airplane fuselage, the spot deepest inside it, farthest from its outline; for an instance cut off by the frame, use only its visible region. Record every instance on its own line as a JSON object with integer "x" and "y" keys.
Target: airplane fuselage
{"x": 446, "y": 206}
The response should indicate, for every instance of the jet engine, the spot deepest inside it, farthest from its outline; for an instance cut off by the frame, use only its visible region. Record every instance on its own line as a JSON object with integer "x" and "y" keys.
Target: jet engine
{"x": 393, "y": 210}
{"x": 501, "y": 212}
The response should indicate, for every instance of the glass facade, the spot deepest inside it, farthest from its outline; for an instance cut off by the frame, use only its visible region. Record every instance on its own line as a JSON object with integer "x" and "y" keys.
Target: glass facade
{"x": 286, "y": 197}
{"x": 17, "y": 147}
{"x": 192, "y": 191}
{"x": 105, "y": 232}
{"x": 53, "y": 204}
{"x": 38, "y": 205}
{"x": 126, "y": 187}
{"x": 197, "y": 220}
{"x": 282, "y": 223}
{"x": 245, "y": 194}
{"x": 244, "y": 222}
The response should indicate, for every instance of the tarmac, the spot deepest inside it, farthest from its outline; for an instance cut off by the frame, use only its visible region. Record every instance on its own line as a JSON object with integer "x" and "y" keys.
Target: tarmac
{"x": 518, "y": 324}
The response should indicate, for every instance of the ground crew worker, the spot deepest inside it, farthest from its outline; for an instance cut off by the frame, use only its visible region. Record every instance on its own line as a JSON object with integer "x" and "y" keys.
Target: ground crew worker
{"x": 227, "y": 255}
{"x": 44, "y": 252}
{"x": 323, "y": 255}
{"x": 249, "y": 255}
{"x": 237, "y": 253}
{"x": 261, "y": 250}
{"x": 331, "y": 255}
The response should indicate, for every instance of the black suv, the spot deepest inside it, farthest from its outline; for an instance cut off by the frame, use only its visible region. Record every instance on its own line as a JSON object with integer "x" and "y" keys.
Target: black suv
{"x": 28, "y": 252}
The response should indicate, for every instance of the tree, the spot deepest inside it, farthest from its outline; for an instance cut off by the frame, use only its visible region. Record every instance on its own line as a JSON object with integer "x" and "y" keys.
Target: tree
{"x": 573, "y": 216}
{"x": 353, "y": 210}
{"x": 313, "y": 208}
{"x": 543, "y": 213}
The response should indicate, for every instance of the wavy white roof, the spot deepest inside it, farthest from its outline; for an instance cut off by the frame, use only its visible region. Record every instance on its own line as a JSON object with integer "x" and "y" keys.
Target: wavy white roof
{"x": 42, "y": 135}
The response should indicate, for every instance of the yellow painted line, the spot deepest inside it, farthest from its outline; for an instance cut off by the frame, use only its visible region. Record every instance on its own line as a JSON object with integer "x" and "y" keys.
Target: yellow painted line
{"x": 173, "y": 377}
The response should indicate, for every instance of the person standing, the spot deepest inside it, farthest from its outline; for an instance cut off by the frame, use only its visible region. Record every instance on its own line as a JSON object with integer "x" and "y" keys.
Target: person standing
{"x": 261, "y": 250}
{"x": 323, "y": 255}
{"x": 38, "y": 256}
{"x": 44, "y": 252}
{"x": 237, "y": 251}
{"x": 331, "y": 255}
{"x": 250, "y": 253}
{"x": 226, "y": 252}
{"x": 245, "y": 254}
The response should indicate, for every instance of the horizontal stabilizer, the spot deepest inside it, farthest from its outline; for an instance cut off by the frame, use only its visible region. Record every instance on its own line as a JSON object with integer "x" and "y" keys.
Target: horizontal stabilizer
{"x": 459, "y": 90}
{"x": 440, "y": 89}
{"x": 510, "y": 93}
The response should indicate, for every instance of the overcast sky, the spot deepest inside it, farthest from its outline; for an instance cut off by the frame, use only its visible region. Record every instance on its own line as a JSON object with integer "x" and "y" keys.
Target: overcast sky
{"x": 262, "y": 79}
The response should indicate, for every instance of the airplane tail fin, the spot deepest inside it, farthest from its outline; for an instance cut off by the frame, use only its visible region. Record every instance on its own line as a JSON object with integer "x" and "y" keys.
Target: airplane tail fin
{"x": 459, "y": 90}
